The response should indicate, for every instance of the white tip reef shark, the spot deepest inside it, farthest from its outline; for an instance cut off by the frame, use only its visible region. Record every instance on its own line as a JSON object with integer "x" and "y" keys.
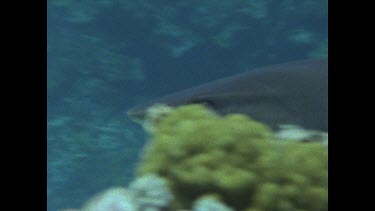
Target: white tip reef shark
{"x": 293, "y": 93}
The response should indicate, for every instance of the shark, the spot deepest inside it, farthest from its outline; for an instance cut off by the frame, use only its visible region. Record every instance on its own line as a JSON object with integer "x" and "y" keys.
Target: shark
{"x": 293, "y": 93}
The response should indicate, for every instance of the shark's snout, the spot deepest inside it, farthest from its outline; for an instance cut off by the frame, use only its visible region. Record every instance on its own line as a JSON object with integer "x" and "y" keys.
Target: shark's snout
{"x": 137, "y": 115}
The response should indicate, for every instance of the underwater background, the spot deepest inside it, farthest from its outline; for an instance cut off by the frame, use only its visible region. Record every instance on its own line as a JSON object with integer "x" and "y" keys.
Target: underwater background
{"x": 105, "y": 56}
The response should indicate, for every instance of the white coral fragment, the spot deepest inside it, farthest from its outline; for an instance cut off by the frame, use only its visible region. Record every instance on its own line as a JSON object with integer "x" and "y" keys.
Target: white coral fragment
{"x": 151, "y": 192}
{"x": 210, "y": 204}
{"x": 113, "y": 199}
{"x": 296, "y": 133}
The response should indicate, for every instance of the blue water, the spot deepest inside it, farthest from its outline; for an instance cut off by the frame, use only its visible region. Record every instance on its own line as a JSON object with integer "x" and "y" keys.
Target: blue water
{"x": 105, "y": 56}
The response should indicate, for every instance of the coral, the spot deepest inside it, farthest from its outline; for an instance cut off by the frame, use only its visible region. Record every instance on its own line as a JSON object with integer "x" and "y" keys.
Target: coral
{"x": 147, "y": 193}
{"x": 151, "y": 192}
{"x": 207, "y": 203}
{"x": 113, "y": 199}
{"x": 69, "y": 210}
{"x": 236, "y": 158}
{"x": 296, "y": 133}
{"x": 154, "y": 115}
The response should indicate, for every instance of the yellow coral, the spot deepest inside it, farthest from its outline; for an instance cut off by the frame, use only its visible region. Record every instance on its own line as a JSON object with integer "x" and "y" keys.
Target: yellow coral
{"x": 237, "y": 159}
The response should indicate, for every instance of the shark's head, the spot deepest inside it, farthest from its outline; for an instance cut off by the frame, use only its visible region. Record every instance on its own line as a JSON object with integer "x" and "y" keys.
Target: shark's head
{"x": 292, "y": 93}
{"x": 197, "y": 95}
{"x": 137, "y": 114}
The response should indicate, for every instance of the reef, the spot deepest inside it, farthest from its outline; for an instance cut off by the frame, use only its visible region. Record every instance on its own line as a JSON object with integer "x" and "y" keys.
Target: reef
{"x": 107, "y": 55}
{"x": 196, "y": 160}
{"x": 237, "y": 159}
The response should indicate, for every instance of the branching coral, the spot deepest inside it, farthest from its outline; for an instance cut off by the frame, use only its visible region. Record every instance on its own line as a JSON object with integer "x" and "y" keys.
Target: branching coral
{"x": 146, "y": 193}
{"x": 237, "y": 159}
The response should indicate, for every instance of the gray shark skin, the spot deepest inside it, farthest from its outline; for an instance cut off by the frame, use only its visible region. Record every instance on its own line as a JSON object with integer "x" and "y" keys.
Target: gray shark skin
{"x": 293, "y": 93}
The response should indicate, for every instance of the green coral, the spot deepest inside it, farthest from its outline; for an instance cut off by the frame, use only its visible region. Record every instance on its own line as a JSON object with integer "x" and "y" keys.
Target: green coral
{"x": 235, "y": 158}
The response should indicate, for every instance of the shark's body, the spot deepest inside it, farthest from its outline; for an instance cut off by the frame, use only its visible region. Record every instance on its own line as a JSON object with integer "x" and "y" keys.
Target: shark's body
{"x": 294, "y": 93}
